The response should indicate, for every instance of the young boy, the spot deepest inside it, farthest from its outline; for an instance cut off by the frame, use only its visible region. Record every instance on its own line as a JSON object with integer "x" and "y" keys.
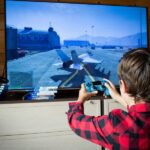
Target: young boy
{"x": 119, "y": 130}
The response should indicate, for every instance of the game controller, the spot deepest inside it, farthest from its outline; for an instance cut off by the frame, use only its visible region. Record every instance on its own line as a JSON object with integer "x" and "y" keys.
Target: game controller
{"x": 97, "y": 86}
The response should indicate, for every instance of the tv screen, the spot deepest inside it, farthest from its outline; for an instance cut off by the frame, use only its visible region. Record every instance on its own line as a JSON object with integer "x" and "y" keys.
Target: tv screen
{"x": 66, "y": 44}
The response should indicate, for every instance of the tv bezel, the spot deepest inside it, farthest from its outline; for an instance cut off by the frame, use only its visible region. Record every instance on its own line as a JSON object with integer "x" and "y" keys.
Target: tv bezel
{"x": 65, "y": 92}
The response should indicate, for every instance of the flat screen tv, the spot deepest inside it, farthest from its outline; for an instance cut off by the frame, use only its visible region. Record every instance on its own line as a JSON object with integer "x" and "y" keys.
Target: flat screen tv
{"x": 66, "y": 44}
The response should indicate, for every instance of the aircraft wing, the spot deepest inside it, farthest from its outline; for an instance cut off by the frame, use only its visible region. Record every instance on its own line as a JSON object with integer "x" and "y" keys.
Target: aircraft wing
{"x": 87, "y": 59}
{"x": 62, "y": 55}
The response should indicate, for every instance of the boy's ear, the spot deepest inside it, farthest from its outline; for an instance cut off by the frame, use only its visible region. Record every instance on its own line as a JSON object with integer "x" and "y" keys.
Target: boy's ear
{"x": 123, "y": 86}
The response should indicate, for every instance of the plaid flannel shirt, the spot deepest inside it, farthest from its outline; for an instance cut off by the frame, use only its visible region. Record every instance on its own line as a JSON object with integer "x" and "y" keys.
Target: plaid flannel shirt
{"x": 119, "y": 130}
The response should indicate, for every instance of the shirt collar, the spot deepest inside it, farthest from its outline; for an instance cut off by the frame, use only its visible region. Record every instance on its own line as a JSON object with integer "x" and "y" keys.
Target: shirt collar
{"x": 142, "y": 107}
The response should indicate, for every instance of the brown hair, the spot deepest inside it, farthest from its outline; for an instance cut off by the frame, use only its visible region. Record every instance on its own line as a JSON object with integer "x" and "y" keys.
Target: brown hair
{"x": 134, "y": 70}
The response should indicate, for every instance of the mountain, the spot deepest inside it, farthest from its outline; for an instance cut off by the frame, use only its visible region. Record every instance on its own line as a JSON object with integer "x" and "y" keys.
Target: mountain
{"x": 131, "y": 40}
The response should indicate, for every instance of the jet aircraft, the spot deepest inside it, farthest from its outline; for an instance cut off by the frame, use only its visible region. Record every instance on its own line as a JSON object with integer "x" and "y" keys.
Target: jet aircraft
{"x": 76, "y": 62}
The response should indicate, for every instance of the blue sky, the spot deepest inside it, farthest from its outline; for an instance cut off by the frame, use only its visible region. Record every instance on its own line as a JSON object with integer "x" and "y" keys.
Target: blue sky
{"x": 73, "y": 20}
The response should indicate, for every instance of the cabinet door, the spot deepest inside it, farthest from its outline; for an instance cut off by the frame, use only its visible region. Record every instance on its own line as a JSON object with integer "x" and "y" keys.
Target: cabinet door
{"x": 110, "y": 104}
{"x": 41, "y": 126}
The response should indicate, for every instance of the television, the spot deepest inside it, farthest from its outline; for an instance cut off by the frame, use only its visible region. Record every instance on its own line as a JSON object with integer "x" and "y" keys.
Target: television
{"x": 55, "y": 44}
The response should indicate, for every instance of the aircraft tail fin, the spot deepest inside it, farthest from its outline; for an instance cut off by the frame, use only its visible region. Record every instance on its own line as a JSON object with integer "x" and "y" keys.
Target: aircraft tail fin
{"x": 75, "y": 57}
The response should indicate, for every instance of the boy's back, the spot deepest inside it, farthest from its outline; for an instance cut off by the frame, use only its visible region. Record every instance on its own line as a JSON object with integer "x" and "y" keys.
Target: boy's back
{"x": 131, "y": 130}
{"x": 119, "y": 130}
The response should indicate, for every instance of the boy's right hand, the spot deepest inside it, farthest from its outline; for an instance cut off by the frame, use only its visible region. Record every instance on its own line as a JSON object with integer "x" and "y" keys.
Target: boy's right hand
{"x": 112, "y": 90}
{"x": 114, "y": 93}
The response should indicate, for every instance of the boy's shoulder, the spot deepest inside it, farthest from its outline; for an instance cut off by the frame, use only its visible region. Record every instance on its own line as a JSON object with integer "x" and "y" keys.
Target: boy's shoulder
{"x": 117, "y": 112}
{"x": 117, "y": 116}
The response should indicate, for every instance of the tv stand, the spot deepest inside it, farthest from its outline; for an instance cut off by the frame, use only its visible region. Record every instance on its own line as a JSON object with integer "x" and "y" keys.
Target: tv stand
{"x": 18, "y": 95}
{"x": 13, "y": 95}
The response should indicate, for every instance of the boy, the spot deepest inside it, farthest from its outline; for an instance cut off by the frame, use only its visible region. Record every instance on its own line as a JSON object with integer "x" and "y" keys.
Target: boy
{"x": 119, "y": 130}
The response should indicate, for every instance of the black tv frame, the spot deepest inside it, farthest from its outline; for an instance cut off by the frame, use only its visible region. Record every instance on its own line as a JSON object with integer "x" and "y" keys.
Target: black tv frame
{"x": 63, "y": 92}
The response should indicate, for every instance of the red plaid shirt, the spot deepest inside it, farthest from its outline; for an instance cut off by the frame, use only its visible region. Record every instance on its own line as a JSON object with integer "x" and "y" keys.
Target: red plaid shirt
{"x": 119, "y": 130}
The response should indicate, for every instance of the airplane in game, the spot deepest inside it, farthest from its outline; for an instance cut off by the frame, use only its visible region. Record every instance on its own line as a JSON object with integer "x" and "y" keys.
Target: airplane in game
{"x": 75, "y": 62}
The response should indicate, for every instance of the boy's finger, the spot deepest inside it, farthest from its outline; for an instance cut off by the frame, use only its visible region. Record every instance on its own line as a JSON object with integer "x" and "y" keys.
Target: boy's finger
{"x": 93, "y": 93}
{"x": 108, "y": 83}
{"x": 82, "y": 86}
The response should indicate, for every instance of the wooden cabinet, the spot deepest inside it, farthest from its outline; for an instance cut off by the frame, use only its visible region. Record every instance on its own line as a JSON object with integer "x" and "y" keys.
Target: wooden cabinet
{"x": 110, "y": 104}
{"x": 41, "y": 126}
{"x": 44, "y": 126}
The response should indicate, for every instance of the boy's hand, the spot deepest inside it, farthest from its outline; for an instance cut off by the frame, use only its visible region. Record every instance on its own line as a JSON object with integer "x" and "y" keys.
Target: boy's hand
{"x": 112, "y": 90}
{"x": 114, "y": 93}
{"x": 84, "y": 95}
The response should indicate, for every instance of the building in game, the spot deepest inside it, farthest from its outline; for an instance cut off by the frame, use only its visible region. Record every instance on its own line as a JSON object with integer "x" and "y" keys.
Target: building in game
{"x": 38, "y": 40}
{"x": 21, "y": 41}
{"x": 11, "y": 43}
{"x": 80, "y": 43}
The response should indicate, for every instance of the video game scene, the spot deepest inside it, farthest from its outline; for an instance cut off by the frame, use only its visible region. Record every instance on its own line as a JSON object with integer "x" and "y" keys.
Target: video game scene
{"x": 66, "y": 44}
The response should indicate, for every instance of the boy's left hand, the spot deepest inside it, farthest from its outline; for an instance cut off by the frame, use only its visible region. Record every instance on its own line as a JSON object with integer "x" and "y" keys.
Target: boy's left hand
{"x": 84, "y": 95}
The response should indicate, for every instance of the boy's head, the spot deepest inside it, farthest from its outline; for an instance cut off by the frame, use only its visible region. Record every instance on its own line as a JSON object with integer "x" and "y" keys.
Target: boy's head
{"x": 134, "y": 70}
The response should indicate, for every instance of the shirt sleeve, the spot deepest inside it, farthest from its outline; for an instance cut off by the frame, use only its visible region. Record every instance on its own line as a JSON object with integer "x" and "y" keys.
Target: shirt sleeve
{"x": 98, "y": 130}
